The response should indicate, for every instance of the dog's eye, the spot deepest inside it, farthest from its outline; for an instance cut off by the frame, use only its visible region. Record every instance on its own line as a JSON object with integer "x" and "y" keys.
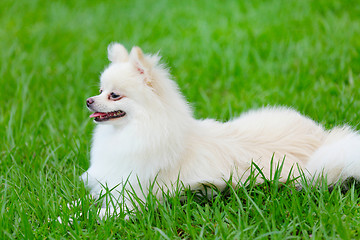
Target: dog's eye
{"x": 114, "y": 96}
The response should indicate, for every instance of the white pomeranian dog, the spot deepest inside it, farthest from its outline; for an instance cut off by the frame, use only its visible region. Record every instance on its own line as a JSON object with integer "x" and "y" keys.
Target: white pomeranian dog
{"x": 146, "y": 132}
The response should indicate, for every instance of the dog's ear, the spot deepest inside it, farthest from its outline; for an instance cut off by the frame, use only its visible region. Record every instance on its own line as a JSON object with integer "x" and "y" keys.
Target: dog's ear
{"x": 142, "y": 65}
{"x": 117, "y": 53}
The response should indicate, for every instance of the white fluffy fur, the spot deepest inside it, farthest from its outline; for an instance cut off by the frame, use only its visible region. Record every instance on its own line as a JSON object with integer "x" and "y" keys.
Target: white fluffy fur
{"x": 158, "y": 136}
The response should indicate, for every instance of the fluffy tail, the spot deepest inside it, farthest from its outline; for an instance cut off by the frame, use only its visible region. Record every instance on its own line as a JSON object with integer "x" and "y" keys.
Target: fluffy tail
{"x": 338, "y": 158}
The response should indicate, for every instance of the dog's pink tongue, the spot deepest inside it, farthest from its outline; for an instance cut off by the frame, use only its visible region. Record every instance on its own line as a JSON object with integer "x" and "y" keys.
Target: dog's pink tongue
{"x": 97, "y": 114}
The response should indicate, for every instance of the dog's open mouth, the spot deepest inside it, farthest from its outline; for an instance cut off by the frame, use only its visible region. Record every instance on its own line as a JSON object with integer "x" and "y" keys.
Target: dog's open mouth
{"x": 102, "y": 116}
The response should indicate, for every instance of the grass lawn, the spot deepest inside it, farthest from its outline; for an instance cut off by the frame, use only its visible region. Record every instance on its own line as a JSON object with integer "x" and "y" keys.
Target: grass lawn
{"x": 227, "y": 57}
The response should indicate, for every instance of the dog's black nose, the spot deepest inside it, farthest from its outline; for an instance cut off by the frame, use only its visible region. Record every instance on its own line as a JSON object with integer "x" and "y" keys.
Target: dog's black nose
{"x": 89, "y": 101}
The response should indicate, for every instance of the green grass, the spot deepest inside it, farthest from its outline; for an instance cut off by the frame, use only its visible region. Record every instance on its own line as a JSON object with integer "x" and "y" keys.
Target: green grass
{"x": 227, "y": 57}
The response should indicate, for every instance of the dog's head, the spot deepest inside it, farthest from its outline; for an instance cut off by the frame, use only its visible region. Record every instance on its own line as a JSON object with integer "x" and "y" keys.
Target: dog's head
{"x": 127, "y": 86}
